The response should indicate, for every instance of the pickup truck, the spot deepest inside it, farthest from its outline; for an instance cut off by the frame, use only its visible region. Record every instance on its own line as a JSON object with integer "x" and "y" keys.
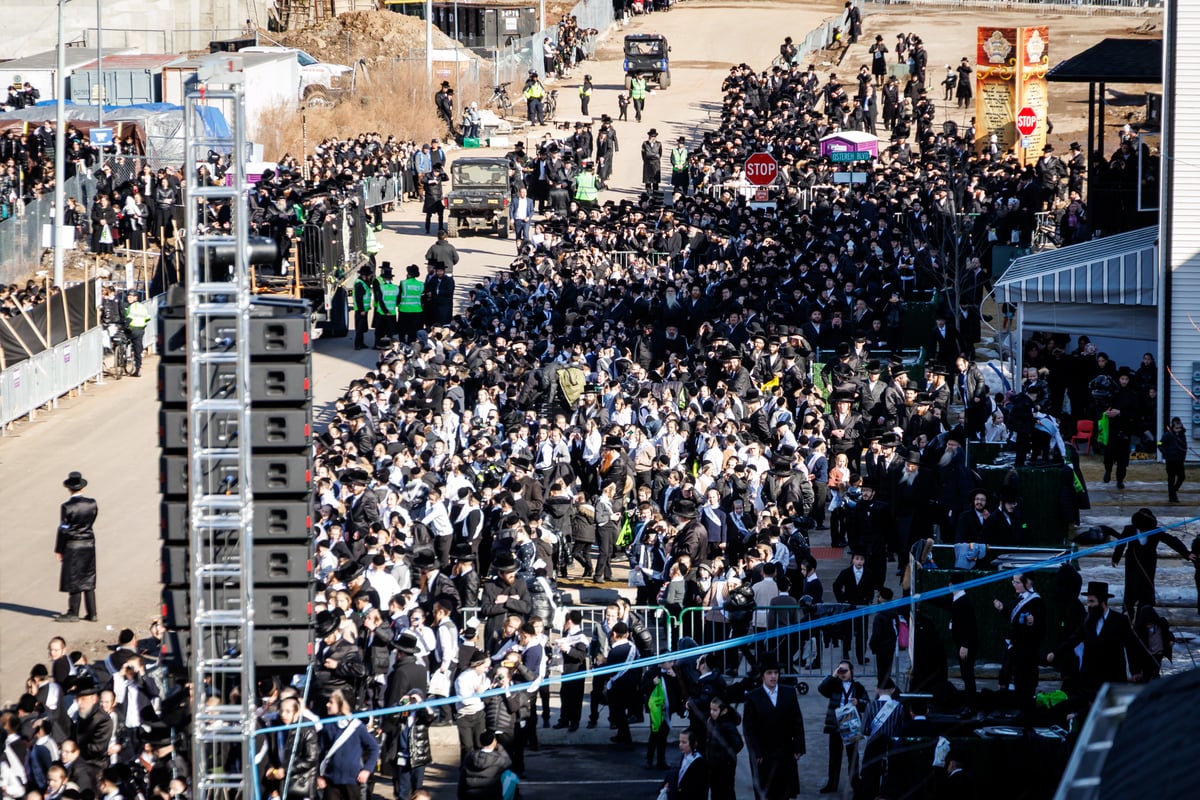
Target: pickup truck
{"x": 321, "y": 84}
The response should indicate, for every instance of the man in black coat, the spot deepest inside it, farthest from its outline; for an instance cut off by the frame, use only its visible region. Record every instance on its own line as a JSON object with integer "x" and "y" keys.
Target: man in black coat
{"x": 856, "y": 586}
{"x": 293, "y": 754}
{"x": 1122, "y": 414}
{"x": 690, "y": 781}
{"x": 438, "y": 299}
{"x": 573, "y": 645}
{"x": 964, "y": 632}
{"x": 339, "y": 663}
{"x": 93, "y": 728}
{"x": 773, "y": 728}
{"x": 75, "y": 547}
{"x": 1111, "y": 650}
{"x": 1141, "y": 559}
{"x": 1026, "y": 631}
{"x": 482, "y": 770}
{"x": 503, "y": 595}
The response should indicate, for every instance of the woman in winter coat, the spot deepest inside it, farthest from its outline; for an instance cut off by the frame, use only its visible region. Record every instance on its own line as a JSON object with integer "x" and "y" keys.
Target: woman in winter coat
{"x": 104, "y": 226}
{"x": 721, "y": 748}
{"x": 135, "y": 220}
{"x": 413, "y": 751}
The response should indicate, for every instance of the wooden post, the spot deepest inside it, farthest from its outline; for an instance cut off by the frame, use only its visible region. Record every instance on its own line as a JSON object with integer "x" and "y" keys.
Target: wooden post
{"x": 66, "y": 314}
{"x": 49, "y": 313}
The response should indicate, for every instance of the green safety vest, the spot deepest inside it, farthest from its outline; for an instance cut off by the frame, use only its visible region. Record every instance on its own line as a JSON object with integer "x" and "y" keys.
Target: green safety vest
{"x": 637, "y": 89}
{"x": 388, "y": 292}
{"x": 367, "y": 295}
{"x": 138, "y": 315}
{"x": 679, "y": 158}
{"x": 410, "y": 298}
{"x": 535, "y": 91}
{"x": 585, "y": 187}
{"x": 585, "y": 90}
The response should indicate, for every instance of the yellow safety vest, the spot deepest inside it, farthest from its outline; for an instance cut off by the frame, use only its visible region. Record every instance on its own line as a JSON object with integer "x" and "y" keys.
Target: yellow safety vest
{"x": 585, "y": 187}
{"x": 535, "y": 91}
{"x": 367, "y": 295}
{"x": 679, "y": 158}
{"x": 585, "y": 91}
{"x": 138, "y": 316}
{"x": 410, "y": 297}
{"x": 388, "y": 292}
{"x": 637, "y": 89}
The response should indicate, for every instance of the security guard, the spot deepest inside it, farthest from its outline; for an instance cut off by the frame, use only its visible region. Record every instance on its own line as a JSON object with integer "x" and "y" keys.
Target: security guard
{"x": 364, "y": 295}
{"x": 137, "y": 317}
{"x": 534, "y": 92}
{"x": 585, "y": 95}
{"x": 679, "y": 167}
{"x": 637, "y": 93}
{"x": 386, "y": 295}
{"x": 587, "y": 190}
{"x": 408, "y": 317}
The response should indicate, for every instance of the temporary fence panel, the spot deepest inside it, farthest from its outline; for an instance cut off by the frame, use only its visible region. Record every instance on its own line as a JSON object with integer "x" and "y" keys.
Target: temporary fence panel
{"x": 380, "y": 190}
{"x": 658, "y": 622}
{"x": 21, "y": 239}
{"x": 50, "y": 374}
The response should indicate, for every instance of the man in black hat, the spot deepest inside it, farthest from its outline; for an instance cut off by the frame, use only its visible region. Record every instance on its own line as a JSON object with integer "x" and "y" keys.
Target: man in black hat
{"x": 1050, "y": 172}
{"x": 1076, "y": 169}
{"x": 1141, "y": 558}
{"x": 408, "y": 674}
{"x": 1023, "y": 640}
{"x": 75, "y": 547}
{"x": 1112, "y": 653}
{"x": 856, "y": 586}
{"x": 338, "y": 663}
{"x": 773, "y": 728}
{"x": 93, "y": 728}
{"x": 651, "y": 163}
{"x": 1122, "y": 414}
{"x": 439, "y": 296}
{"x": 504, "y": 594}
{"x": 362, "y": 508}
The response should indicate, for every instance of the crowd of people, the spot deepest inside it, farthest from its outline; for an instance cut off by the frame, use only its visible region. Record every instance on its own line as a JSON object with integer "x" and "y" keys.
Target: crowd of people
{"x": 700, "y": 391}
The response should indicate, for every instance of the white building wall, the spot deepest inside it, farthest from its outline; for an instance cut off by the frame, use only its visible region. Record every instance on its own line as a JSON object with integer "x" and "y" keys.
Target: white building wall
{"x": 1180, "y": 222}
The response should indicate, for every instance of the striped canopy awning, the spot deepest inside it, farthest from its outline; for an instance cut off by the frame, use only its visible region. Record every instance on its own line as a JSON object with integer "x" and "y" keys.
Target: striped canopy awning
{"x": 1114, "y": 270}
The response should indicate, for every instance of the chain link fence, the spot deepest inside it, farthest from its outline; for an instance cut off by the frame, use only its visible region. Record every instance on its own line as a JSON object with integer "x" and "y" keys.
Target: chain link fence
{"x": 21, "y": 239}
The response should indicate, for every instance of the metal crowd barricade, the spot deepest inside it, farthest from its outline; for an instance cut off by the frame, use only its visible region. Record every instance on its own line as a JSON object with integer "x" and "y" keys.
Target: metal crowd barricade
{"x": 656, "y": 618}
{"x": 48, "y": 375}
{"x": 380, "y": 190}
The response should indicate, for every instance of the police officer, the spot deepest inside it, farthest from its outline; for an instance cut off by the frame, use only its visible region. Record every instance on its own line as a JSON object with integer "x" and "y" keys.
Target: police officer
{"x": 137, "y": 317}
{"x": 534, "y": 93}
{"x": 587, "y": 189}
{"x": 679, "y": 167}
{"x": 637, "y": 93}
{"x": 364, "y": 294}
{"x": 585, "y": 95}
{"x": 408, "y": 316}
{"x": 386, "y": 295}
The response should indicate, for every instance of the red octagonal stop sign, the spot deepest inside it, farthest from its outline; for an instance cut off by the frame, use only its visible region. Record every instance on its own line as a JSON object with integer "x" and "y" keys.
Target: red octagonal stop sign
{"x": 761, "y": 169}
{"x": 1026, "y": 121}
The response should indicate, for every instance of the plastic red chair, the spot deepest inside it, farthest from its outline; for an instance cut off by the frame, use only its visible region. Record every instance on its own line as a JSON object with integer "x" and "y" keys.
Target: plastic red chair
{"x": 1085, "y": 429}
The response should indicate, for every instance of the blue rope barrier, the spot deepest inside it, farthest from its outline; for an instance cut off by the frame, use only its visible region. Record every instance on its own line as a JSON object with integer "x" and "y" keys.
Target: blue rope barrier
{"x": 749, "y": 639}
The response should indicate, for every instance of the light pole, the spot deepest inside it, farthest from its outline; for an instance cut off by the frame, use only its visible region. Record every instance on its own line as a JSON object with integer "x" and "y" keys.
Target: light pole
{"x": 99, "y": 77}
{"x": 429, "y": 42}
{"x": 60, "y": 145}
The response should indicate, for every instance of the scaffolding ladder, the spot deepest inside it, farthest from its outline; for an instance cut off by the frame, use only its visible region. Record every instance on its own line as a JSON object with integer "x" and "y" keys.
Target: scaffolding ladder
{"x": 220, "y": 495}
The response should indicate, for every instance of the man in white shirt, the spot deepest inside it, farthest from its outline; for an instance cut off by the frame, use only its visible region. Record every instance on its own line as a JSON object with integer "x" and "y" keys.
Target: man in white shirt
{"x": 522, "y": 214}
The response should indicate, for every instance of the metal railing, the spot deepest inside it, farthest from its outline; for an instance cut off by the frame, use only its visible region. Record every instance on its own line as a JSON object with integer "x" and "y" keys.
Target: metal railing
{"x": 50, "y": 374}
{"x": 657, "y": 620}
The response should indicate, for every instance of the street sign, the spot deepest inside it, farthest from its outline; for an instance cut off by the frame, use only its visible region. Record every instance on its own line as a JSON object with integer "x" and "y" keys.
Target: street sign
{"x": 1026, "y": 142}
{"x": 761, "y": 169}
{"x": 1026, "y": 121}
{"x": 848, "y": 156}
{"x": 101, "y": 137}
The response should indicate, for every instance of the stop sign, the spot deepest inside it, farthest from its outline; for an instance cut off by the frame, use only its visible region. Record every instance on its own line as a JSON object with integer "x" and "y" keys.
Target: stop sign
{"x": 1026, "y": 121}
{"x": 761, "y": 169}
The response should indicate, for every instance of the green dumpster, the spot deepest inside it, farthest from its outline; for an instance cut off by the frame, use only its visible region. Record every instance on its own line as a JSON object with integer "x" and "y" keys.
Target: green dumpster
{"x": 919, "y": 319}
{"x": 1041, "y": 488}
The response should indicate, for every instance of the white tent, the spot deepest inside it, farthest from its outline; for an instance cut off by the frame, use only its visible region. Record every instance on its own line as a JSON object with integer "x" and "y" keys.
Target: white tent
{"x": 1106, "y": 288}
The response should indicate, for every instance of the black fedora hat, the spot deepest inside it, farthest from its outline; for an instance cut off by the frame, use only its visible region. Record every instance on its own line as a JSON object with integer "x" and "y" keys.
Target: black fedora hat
{"x": 505, "y": 562}
{"x": 684, "y": 508}
{"x": 1097, "y": 589}
{"x": 75, "y": 482}
{"x": 326, "y": 623}
{"x": 407, "y": 643}
{"x": 424, "y": 560}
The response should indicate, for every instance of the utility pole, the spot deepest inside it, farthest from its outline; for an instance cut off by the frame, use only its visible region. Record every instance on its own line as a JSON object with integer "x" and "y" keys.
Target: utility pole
{"x": 60, "y": 145}
{"x": 429, "y": 42}
{"x": 99, "y": 76}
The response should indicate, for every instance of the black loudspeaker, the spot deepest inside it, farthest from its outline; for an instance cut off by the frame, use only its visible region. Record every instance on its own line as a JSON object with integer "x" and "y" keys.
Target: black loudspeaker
{"x": 274, "y": 564}
{"x": 271, "y": 429}
{"x": 278, "y": 605}
{"x": 274, "y": 648}
{"x": 274, "y": 520}
{"x": 278, "y": 475}
{"x": 270, "y": 383}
